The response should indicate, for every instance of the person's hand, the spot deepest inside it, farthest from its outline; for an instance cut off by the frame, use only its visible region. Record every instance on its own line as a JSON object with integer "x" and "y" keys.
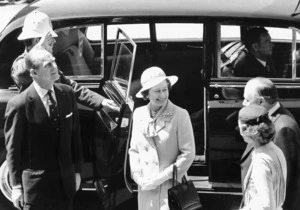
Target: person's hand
{"x": 17, "y": 198}
{"x": 46, "y": 42}
{"x": 110, "y": 104}
{"x": 152, "y": 183}
{"x": 138, "y": 179}
{"x": 78, "y": 181}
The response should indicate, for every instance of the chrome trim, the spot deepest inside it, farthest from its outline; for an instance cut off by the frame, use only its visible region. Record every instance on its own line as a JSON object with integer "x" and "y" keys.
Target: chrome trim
{"x": 293, "y": 103}
{"x": 220, "y": 193}
{"x": 278, "y": 85}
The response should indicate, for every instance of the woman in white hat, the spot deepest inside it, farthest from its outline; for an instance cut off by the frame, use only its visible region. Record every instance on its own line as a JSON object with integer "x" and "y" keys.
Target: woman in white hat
{"x": 162, "y": 135}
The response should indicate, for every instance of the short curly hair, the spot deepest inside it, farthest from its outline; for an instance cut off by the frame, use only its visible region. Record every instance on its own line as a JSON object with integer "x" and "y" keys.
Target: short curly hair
{"x": 264, "y": 132}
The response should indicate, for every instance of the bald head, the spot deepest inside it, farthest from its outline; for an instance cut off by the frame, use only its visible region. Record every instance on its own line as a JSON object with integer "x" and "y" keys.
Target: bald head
{"x": 261, "y": 91}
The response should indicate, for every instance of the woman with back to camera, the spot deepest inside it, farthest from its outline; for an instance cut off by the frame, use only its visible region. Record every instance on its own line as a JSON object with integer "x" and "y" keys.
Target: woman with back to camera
{"x": 265, "y": 182}
{"x": 162, "y": 135}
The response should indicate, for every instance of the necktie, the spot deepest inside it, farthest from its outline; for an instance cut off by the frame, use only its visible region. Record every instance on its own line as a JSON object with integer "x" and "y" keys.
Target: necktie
{"x": 53, "y": 109}
{"x": 267, "y": 68}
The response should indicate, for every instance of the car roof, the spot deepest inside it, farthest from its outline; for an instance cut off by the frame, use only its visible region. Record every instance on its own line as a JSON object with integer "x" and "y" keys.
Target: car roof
{"x": 74, "y": 9}
{"x": 246, "y": 8}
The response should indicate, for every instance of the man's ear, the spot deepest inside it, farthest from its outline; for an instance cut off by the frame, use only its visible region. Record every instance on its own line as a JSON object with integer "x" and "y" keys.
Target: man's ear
{"x": 261, "y": 100}
{"x": 255, "y": 46}
{"x": 35, "y": 41}
{"x": 33, "y": 73}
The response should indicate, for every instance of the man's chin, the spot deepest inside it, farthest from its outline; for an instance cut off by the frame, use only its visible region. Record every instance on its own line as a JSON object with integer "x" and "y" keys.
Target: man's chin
{"x": 57, "y": 78}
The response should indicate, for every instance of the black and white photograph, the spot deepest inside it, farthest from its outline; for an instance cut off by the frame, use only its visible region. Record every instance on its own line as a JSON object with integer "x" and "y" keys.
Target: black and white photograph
{"x": 149, "y": 105}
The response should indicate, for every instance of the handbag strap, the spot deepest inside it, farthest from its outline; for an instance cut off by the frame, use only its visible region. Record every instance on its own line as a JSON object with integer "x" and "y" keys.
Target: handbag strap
{"x": 174, "y": 174}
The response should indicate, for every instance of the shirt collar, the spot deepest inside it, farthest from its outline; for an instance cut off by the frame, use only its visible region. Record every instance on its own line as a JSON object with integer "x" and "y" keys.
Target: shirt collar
{"x": 274, "y": 109}
{"x": 41, "y": 91}
{"x": 264, "y": 63}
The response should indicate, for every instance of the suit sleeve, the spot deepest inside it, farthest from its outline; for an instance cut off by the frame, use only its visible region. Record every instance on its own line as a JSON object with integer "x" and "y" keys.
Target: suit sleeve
{"x": 84, "y": 95}
{"x": 15, "y": 123}
{"x": 287, "y": 140}
{"x": 76, "y": 138}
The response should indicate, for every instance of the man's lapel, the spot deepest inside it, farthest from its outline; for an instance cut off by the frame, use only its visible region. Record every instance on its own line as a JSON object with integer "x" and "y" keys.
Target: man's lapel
{"x": 247, "y": 152}
{"x": 274, "y": 116}
{"x": 60, "y": 99}
{"x": 36, "y": 108}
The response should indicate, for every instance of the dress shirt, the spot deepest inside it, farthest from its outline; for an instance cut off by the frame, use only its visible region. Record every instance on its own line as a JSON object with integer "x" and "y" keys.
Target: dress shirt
{"x": 264, "y": 63}
{"x": 43, "y": 93}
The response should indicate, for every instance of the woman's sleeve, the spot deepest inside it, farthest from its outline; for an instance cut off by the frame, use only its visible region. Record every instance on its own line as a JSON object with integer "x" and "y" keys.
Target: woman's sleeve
{"x": 186, "y": 143}
{"x": 133, "y": 151}
{"x": 262, "y": 179}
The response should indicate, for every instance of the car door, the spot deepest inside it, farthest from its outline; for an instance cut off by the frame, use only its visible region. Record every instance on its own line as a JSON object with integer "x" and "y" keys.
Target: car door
{"x": 225, "y": 96}
{"x": 117, "y": 88}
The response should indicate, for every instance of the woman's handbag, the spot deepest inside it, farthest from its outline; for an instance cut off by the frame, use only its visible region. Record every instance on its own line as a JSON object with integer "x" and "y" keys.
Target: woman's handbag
{"x": 183, "y": 196}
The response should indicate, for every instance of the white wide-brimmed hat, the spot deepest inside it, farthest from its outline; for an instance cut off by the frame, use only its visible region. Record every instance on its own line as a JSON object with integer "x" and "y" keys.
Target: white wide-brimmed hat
{"x": 36, "y": 24}
{"x": 153, "y": 76}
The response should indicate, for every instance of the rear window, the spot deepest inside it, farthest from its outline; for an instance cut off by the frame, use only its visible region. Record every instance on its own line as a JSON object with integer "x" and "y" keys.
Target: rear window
{"x": 179, "y": 31}
{"x": 135, "y": 31}
{"x": 233, "y": 51}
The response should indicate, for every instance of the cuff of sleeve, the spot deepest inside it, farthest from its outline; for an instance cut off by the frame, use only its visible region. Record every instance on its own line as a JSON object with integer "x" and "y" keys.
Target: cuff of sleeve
{"x": 17, "y": 187}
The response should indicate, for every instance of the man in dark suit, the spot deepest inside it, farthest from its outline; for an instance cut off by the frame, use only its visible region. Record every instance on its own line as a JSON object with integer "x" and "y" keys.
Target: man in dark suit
{"x": 42, "y": 135}
{"x": 256, "y": 60}
{"x": 37, "y": 30}
{"x": 263, "y": 92}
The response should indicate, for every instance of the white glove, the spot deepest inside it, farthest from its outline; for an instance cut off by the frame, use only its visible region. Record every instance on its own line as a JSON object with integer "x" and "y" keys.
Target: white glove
{"x": 110, "y": 105}
{"x": 17, "y": 197}
{"x": 138, "y": 179}
{"x": 152, "y": 183}
{"x": 78, "y": 181}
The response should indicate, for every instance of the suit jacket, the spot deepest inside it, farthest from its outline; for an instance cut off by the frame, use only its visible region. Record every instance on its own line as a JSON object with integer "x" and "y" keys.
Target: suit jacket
{"x": 247, "y": 65}
{"x": 287, "y": 138}
{"x": 150, "y": 156}
{"x": 44, "y": 165}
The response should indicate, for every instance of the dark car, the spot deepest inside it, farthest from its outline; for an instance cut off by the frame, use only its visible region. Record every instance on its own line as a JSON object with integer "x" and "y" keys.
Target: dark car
{"x": 196, "y": 40}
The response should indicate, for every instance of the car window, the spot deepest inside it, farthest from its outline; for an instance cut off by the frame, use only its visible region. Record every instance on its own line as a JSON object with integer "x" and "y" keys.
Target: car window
{"x": 179, "y": 31}
{"x": 136, "y": 31}
{"x": 75, "y": 54}
{"x": 238, "y": 61}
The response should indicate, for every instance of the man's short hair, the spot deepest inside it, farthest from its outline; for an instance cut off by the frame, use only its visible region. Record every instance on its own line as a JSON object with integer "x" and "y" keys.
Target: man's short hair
{"x": 33, "y": 57}
{"x": 264, "y": 88}
{"x": 253, "y": 35}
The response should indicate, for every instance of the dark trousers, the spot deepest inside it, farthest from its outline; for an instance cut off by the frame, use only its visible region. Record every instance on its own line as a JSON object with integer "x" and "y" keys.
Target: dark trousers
{"x": 60, "y": 205}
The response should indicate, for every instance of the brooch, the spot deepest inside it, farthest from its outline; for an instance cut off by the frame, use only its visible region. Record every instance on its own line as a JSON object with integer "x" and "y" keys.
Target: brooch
{"x": 167, "y": 116}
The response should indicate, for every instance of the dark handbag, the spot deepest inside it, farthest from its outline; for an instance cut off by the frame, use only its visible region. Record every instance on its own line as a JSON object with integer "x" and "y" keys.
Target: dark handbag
{"x": 183, "y": 196}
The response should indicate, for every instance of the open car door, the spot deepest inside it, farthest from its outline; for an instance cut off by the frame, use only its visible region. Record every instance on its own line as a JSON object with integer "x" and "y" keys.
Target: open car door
{"x": 117, "y": 89}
